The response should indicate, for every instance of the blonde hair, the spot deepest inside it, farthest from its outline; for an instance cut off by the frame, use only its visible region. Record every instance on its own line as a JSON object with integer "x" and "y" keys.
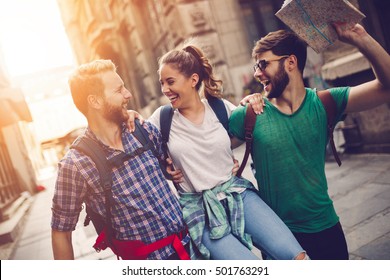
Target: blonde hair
{"x": 86, "y": 80}
{"x": 189, "y": 60}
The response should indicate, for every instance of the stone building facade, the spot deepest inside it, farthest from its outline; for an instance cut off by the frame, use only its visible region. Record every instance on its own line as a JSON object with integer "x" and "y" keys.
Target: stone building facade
{"x": 135, "y": 33}
{"x": 19, "y": 156}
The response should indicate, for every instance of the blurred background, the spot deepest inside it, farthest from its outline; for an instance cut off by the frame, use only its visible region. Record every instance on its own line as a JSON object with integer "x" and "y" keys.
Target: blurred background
{"x": 42, "y": 41}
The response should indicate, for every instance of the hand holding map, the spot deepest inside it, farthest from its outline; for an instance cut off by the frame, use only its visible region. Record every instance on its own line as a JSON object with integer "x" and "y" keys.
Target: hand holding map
{"x": 312, "y": 20}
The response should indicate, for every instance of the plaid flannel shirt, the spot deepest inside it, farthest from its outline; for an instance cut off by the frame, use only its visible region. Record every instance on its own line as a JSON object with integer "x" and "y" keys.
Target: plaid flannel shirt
{"x": 144, "y": 207}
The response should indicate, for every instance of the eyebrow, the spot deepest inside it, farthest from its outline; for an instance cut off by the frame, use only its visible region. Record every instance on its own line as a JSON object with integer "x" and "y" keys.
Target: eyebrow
{"x": 168, "y": 78}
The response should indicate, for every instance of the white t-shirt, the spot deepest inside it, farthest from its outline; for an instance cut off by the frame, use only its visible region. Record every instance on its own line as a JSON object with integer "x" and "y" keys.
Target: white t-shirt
{"x": 203, "y": 152}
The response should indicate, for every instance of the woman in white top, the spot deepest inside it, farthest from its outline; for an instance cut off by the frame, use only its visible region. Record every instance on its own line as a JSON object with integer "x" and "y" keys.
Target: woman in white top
{"x": 223, "y": 213}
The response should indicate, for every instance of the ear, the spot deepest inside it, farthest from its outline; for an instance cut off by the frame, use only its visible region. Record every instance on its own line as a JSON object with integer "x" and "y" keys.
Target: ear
{"x": 94, "y": 101}
{"x": 194, "y": 79}
{"x": 292, "y": 62}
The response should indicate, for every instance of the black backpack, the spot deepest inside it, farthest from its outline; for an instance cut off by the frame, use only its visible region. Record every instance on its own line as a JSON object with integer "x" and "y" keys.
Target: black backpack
{"x": 92, "y": 149}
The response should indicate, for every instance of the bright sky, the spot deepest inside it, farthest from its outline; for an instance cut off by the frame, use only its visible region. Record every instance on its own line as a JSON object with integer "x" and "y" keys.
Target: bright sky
{"x": 32, "y": 37}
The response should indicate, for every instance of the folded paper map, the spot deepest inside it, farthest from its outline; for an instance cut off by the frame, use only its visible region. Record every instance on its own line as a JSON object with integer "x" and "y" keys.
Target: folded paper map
{"x": 312, "y": 19}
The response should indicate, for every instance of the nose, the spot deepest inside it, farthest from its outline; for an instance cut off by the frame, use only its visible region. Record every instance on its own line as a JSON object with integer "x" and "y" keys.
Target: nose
{"x": 126, "y": 93}
{"x": 257, "y": 73}
{"x": 164, "y": 89}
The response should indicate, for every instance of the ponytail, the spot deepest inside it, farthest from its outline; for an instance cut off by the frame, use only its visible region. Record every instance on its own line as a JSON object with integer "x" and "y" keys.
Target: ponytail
{"x": 212, "y": 85}
{"x": 191, "y": 60}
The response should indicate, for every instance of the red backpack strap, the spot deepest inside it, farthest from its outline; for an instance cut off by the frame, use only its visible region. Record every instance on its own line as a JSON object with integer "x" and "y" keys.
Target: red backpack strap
{"x": 138, "y": 250}
{"x": 250, "y": 121}
{"x": 331, "y": 110}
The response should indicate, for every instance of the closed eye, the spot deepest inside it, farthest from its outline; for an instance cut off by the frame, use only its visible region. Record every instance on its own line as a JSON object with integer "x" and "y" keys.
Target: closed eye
{"x": 170, "y": 82}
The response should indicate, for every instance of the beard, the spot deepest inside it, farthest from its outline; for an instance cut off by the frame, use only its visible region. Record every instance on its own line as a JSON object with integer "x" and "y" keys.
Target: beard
{"x": 279, "y": 83}
{"x": 114, "y": 113}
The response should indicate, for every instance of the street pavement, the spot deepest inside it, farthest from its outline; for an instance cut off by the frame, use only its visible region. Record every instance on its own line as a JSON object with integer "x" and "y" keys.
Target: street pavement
{"x": 360, "y": 189}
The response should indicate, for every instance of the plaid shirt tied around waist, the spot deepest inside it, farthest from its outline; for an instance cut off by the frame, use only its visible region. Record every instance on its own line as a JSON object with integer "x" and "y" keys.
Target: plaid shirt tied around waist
{"x": 221, "y": 221}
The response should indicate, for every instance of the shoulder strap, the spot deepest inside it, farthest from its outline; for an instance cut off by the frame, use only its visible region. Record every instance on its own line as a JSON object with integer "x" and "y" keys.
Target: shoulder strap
{"x": 219, "y": 109}
{"x": 141, "y": 134}
{"x": 250, "y": 121}
{"x": 331, "y": 110}
{"x": 92, "y": 149}
{"x": 166, "y": 115}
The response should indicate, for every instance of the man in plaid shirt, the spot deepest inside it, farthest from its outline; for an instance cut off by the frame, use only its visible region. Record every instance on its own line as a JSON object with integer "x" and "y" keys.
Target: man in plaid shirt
{"x": 144, "y": 208}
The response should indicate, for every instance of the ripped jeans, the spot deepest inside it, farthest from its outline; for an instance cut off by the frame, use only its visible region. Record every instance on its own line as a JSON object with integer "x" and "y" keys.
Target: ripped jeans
{"x": 269, "y": 234}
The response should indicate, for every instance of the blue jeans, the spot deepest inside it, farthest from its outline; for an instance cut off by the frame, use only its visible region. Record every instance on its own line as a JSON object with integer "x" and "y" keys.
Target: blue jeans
{"x": 269, "y": 234}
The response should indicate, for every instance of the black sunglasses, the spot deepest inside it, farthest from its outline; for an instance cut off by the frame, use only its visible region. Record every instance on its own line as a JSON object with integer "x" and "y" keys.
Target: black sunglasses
{"x": 262, "y": 64}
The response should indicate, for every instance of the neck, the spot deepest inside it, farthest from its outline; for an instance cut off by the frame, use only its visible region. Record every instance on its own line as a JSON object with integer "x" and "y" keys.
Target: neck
{"x": 194, "y": 112}
{"x": 291, "y": 98}
{"x": 107, "y": 132}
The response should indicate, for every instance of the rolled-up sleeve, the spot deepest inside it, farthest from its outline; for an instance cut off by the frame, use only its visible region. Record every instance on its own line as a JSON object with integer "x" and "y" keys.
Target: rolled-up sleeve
{"x": 68, "y": 196}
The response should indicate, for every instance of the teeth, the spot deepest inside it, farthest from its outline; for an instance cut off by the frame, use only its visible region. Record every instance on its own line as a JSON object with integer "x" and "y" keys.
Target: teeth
{"x": 172, "y": 97}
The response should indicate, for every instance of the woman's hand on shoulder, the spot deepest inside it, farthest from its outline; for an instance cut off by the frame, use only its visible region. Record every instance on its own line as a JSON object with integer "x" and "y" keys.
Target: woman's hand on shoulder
{"x": 131, "y": 120}
{"x": 257, "y": 102}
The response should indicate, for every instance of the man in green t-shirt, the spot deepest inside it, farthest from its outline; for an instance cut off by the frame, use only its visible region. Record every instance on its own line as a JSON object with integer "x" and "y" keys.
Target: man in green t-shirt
{"x": 290, "y": 137}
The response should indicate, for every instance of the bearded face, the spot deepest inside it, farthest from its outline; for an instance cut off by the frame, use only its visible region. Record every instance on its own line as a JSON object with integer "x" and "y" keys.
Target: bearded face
{"x": 279, "y": 82}
{"x": 115, "y": 113}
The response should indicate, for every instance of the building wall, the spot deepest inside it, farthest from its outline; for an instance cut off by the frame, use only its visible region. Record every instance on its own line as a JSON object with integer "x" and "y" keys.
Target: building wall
{"x": 135, "y": 33}
{"x": 25, "y": 154}
{"x": 367, "y": 131}
{"x": 18, "y": 142}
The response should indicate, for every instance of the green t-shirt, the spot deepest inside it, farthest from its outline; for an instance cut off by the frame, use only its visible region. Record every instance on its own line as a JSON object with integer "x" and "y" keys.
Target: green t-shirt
{"x": 289, "y": 157}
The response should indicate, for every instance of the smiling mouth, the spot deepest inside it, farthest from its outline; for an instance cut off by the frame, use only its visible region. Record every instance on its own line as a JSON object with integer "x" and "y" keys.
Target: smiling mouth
{"x": 173, "y": 98}
{"x": 266, "y": 82}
